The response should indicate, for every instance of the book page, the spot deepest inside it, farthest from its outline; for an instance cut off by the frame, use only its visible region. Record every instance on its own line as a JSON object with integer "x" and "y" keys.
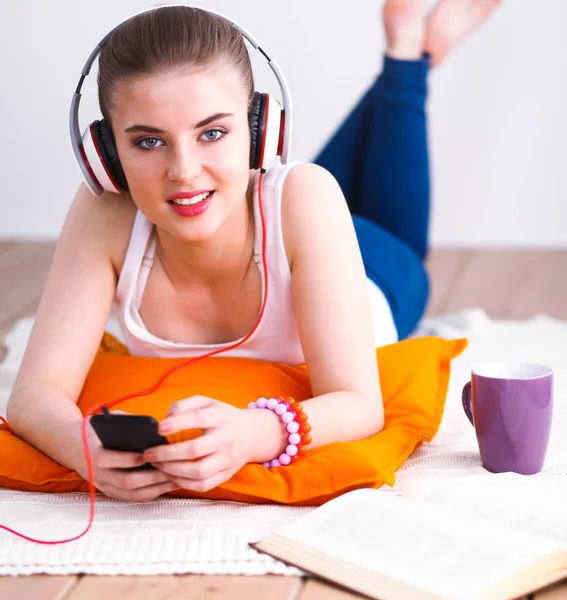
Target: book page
{"x": 417, "y": 542}
{"x": 527, "y": 503}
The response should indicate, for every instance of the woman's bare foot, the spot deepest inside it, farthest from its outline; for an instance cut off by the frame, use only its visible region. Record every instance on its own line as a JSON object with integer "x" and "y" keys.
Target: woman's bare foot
{"x": 450, "y": 21}
{"x": 404, "y": 25}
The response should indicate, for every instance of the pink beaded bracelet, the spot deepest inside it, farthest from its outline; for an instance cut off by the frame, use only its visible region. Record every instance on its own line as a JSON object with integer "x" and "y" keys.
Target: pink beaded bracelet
{"x": 297, "y": 427}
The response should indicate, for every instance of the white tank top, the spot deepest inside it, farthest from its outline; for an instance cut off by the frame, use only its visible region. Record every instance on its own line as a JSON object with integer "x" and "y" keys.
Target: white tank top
{"x": 277, "y": 337}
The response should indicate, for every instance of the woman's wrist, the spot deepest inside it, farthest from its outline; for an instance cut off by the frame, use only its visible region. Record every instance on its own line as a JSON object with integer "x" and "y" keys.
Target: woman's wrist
{"x": 294, "y": 425}
{"x": 268, "y": 437}
{"x": 75, "y": 458}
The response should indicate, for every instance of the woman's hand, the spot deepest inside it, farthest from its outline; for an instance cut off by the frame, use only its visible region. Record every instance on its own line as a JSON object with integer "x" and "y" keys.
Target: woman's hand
{"x": 227, "y": 444}
{"x": 114, "y": 481}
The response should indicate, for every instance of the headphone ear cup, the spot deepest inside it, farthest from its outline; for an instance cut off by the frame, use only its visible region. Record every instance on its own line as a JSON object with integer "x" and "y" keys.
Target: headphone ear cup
{"x": 265, "y": 117}
{"x": 256, "y": 119}
{"x": 107, "y": 146}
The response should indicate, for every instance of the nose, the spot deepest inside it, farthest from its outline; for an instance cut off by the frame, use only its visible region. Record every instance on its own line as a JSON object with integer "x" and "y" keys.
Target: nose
{"x": 184, "y": 165}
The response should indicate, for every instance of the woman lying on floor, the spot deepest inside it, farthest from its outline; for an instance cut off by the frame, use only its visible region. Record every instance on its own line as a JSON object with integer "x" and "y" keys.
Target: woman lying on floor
{"x": 180, "y": 249}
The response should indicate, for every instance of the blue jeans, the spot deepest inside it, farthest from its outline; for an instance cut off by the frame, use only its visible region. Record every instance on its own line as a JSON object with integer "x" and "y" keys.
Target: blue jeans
{"x": 379, "y": 157}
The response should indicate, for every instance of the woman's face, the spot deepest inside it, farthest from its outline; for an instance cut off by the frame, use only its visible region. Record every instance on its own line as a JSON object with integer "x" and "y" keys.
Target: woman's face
{"x": 182, "y": 132}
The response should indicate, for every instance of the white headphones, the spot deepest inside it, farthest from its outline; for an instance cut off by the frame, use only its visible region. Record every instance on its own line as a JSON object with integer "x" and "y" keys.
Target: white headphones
{"x": 95, "y": 150}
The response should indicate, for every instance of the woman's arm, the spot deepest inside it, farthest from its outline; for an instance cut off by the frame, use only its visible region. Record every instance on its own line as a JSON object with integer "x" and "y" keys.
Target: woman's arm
{"x": 68, "y": 327}
{"x": 332, "y": 308}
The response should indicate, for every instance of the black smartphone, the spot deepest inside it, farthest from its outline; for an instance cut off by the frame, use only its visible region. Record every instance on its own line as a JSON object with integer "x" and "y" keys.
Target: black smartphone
{"x": 127, "y": 433}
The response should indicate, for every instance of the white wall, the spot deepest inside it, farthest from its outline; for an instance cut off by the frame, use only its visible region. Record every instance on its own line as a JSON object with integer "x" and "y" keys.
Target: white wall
{"x": 498, "y": 107}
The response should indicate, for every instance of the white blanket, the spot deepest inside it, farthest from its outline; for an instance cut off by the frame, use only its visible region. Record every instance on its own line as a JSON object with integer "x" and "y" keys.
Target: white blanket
{"x": 198, "y": 536}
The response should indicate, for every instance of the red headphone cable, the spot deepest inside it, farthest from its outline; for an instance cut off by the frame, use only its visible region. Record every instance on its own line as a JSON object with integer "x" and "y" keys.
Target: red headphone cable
{"x": 93, "y": 409}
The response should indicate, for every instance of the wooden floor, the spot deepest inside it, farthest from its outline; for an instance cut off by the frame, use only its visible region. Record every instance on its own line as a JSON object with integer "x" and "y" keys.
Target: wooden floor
{"x": 507, "y": 284}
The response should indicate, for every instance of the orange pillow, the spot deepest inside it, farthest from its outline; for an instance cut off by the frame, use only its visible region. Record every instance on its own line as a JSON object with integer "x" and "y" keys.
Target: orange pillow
{"x": 414, "y": 376}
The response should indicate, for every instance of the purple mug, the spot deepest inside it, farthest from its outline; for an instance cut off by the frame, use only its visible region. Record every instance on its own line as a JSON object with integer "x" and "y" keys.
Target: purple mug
{"x": 510, "y": 406}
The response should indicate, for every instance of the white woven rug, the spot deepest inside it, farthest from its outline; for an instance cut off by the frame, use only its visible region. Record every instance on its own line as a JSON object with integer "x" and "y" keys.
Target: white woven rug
{"x": 197, "y": 536}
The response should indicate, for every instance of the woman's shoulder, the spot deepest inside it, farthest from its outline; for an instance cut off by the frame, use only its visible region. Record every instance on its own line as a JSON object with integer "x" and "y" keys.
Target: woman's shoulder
{"x": 304, "y": 179}
{"x": 311, "y": 196}
{"x": 309, "y": 191}
{"x": 109, "y": 218}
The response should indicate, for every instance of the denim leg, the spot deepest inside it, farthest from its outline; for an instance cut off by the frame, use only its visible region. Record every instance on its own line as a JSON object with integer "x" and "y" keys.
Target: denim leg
{"x": 379, "y": 153}
{"x": 397, "y": 270}
{"x": 379, "y": 157}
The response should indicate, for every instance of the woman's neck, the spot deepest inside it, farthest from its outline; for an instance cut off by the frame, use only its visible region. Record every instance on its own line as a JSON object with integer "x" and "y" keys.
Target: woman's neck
{"x": 223, "y": 259}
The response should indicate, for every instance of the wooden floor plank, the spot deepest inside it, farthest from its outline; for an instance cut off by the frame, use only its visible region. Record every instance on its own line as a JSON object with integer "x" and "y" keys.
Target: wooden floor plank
{"x": 317, "y": 590}
{"x": 514, "y": 284}
{"x": 6, "y": 245}
{"x": 193, "y": 587}
{"x": 36, "y": 587}
{"x": 444, "y": 267}
{"x": 23, "y": 271}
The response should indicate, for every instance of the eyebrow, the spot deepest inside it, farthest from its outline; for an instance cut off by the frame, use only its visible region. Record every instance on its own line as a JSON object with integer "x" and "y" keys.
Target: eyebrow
{"x": 202, "y": 123}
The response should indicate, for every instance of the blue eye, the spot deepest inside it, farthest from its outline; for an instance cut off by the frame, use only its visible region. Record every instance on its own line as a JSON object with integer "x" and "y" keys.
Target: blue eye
{"x": 148, "y": 143}
{"x": 211, "y": 134}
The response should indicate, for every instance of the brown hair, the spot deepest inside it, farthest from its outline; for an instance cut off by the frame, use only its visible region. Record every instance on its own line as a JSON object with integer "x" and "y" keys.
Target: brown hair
{"x": 166, "y": 39}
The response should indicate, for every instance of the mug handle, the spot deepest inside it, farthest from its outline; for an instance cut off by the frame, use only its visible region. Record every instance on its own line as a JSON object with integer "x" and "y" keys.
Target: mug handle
{"x": 467, "y": 403}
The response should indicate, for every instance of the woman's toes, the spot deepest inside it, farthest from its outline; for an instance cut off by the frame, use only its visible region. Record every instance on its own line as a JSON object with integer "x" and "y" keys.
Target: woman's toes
{"x": 453, "y": 20}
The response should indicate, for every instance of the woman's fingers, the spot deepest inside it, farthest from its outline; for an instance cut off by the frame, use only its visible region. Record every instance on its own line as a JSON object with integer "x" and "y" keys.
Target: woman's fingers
{"x": 205, "y": 444}
{"x": 204, "y": 485}
{"x": 132, "y": 480}
{"x": 143, "y": 494}
{"x": 203, "y": 413}
{"x": 191, "y": 403}
{"x": 196, "y": 470}
{"x": 114, "y": 459}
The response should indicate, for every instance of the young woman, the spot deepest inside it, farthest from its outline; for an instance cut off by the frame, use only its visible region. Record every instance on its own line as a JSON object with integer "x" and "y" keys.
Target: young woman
{"x": 180, "y": 253}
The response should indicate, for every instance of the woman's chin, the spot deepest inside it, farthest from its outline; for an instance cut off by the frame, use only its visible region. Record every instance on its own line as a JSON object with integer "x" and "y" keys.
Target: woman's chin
{"x": 194, "y": 232}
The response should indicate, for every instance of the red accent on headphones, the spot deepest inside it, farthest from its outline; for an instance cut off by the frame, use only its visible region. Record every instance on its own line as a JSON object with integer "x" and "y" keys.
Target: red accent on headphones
{"x": 88, "y": 165}
{"x": 281, "y": 139}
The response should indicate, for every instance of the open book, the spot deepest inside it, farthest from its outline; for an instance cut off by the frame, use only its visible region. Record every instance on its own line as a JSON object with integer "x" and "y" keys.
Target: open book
{"x": 465, "y": 538}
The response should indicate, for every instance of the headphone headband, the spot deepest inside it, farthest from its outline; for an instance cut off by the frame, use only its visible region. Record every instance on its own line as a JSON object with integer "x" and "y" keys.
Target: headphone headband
{"x": 75, "y": 133}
